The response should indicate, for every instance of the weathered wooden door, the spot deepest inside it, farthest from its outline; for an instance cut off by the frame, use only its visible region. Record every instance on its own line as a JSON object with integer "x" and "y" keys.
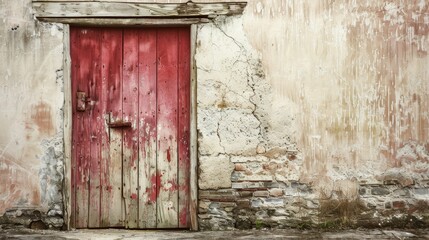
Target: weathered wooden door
{"x": 131, "y": 101}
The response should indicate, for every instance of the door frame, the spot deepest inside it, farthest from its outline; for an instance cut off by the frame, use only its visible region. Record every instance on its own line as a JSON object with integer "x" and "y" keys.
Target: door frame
{"x": 193, "y": 184}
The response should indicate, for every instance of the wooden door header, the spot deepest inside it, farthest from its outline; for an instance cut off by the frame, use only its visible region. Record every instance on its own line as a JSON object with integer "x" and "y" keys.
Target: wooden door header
{"x": 43, "y": 10}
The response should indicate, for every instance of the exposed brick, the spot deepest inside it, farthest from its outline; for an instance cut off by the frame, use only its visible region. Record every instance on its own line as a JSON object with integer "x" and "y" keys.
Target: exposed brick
{"x": 261, "y": 194}
{"x": 220, "y": 195}
{"x": 398, "y": 204}
{"x": 245, "y": 193}
{"x": 380, "y": 191}
{"x": 243, "y": 203}
{"x": 276, "y": 192}
{"x": 240, "y": 167}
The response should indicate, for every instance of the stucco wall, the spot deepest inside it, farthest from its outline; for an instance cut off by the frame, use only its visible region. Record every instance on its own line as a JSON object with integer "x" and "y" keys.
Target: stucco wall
{"x": 31, "y": 144}
{"x": 322, "y": 105}
{"x": 300, "y": 103}
{"x": 355, "y": 75}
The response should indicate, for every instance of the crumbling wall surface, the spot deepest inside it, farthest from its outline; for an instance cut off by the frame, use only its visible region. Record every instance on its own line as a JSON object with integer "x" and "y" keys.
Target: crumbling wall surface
{"x": 314, "y": 113}
{"x": 31, "y": 139}
{"x": 247, "y": 158}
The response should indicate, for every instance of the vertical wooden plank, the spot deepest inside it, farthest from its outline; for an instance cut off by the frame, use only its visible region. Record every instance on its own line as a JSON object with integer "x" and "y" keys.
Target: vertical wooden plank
{"x": 84, "y": 54}
{"x": 147, "y": 129}
{"x": 193, "y": 205}
{"x": 112, "y": 204}
{"x": 167, "y": 202}
{"x": 183, "y": 125}
{"x": 67, "y": 127}
{"x": 97, "y": 126}
{"x": 130, "y": 135}
{"x": 74, "y": 41}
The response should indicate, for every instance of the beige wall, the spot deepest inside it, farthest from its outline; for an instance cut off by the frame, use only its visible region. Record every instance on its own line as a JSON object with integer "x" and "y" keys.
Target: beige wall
{"x": 30, "y": 113}
{"x": 355, "y": 75}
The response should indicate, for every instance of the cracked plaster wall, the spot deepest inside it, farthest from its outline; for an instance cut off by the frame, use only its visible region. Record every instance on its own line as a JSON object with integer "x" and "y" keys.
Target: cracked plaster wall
{"x": 235, "y": 106}
{"x": 309, "y": 99}
{"x": 31, "y": 139}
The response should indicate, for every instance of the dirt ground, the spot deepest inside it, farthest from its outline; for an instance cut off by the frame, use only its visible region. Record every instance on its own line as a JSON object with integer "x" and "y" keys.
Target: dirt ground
{"x": 107, "y": 234}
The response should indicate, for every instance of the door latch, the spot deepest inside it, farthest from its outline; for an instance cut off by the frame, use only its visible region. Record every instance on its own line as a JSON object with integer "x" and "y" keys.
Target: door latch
{"x": 81, "y": 101}
{"x": 119, "y": 124}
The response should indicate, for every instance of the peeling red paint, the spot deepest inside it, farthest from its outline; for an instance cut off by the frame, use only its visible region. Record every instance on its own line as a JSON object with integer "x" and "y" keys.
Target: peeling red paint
{"x": 133, "y": 196}
{"x": 183, "y": 216}
{"x": 153, "y": 191}
{"x": 168, "y": 155}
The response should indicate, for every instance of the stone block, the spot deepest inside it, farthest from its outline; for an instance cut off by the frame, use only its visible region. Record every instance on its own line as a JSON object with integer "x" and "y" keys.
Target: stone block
{"x": 215, "y": 172}
{"x": 402, "y": 192}
{"x": 380, "y": 191}
{"x": 276, "y": 192}
{"x": 240, "y": 167}
{"x": 220, "y": 195}
{"x": 421, "y": 191}
{"x": 245, "y": 193}
{"x": 251, "y": 176}
{"x": 243, "y": 203}
{"x": 268, "y": 202}
{"x": 261, "y": 194}
{"x": 247, "y": 185}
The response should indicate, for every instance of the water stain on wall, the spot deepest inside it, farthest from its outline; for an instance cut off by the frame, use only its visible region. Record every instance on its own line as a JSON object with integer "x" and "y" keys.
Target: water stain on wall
{"x": 41, "y": 116}
{"x": 355, "y": 75}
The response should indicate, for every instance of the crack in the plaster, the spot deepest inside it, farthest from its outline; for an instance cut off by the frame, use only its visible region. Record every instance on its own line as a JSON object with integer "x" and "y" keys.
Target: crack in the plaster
{"x": 218, "y": 134}
{"x": 249, "y": 75}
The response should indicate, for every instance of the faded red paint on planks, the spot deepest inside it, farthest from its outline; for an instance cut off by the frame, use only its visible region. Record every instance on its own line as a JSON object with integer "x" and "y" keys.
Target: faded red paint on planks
{"x": 167, "y": 94}
{"x": 139, "y": 76}
{"x": 184, "y": 100}
{"x": 111, "y": 195}
{"x": 147, "y": 132}
{"x": 130, "y": 106}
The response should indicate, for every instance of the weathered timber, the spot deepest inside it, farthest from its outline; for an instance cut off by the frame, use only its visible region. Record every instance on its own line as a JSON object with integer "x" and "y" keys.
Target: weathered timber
{"x": 167, "y": 120}
{"x": 193, "y": 203}
{"x": 115, "y": 9}
{"x": 130, "y": 135}
{"x": 147, "y": 133}
{"x": 183, "y": 125}
{"x": 120, "y": 22}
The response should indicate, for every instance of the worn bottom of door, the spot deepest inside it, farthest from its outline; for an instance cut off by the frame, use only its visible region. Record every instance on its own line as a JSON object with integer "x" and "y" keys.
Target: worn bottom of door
{"x": 130, "y": 133}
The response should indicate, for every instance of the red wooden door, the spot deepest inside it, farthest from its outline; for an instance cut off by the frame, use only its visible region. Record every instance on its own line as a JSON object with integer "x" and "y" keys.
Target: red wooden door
{"x": 131, "y": 100}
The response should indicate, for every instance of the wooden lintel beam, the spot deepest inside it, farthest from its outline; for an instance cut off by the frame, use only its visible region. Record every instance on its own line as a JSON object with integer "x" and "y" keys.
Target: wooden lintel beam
{"x": 125, "y": 21}
{"x": 90, "y": 9}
